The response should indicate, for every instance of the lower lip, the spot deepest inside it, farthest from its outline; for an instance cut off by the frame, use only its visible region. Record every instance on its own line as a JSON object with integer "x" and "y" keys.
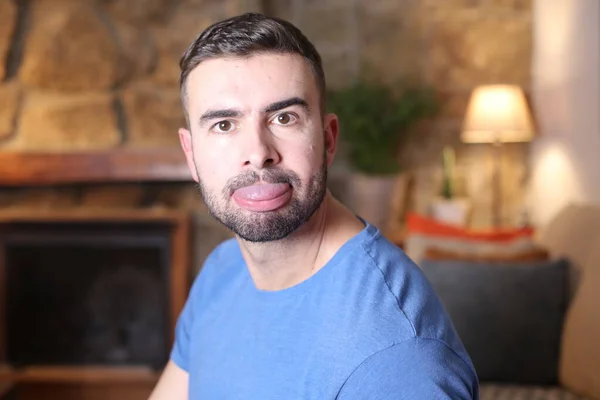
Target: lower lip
{"x": 264, "y": 205}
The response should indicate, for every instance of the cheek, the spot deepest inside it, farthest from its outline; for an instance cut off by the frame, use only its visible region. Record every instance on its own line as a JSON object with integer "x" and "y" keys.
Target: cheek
{"x": 214, "y": 164}
{"x": 316, "y": 150}
{"x": 314, "y": 156}
{"x": 313, "y": 150}
{"x": 306, "y": 159}
{"x": 311, "y": 144}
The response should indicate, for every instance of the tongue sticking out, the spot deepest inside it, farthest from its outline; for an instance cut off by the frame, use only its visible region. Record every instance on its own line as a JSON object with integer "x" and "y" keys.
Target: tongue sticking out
{"x": 262, "y": 192}
{"x": 265, "y": 197}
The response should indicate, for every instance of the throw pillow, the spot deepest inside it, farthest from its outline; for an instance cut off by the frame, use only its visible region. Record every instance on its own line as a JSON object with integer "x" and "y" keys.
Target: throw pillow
{"x": 424, "y": 233}
{"x": 535, "y": 254}
{"x": 419, "y": 224}
{"x": 509, "y": 316}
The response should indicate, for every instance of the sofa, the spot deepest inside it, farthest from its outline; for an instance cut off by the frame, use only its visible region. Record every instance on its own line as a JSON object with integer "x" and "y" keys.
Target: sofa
{"x": 525, "y": 303}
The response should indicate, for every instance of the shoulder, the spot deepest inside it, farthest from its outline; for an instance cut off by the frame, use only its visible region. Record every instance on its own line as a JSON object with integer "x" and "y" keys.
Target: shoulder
{"x": 406, "y": 283}
{"x": 395, "y": 267}
{"x": 415, "y": 368}
{"x": 411, "y": 292}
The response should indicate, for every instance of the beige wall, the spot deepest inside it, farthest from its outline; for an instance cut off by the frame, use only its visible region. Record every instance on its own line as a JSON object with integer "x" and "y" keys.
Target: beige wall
{"x": 566, "y": 98}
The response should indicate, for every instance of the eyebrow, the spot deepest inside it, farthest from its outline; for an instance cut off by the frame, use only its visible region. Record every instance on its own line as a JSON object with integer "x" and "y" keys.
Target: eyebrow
{"x": 214, "y": 114}
{"x": 233, "y": 113}
{"x": 292, "y": 101}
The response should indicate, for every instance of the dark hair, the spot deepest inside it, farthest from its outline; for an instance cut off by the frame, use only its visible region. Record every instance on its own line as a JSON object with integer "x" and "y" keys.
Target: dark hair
{"x": 249, "y": 34}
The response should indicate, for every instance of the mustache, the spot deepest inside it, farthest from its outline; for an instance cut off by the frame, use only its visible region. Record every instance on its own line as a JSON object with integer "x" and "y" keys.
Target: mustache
{"x": 269, "y": 175}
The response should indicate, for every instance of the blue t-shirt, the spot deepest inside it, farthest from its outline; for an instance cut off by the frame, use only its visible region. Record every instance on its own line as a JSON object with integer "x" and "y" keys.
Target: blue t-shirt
{"x": 365, "y": 326}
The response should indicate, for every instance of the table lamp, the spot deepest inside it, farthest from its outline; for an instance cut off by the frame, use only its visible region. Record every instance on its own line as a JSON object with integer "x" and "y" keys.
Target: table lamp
{"x": 497, "y": 114}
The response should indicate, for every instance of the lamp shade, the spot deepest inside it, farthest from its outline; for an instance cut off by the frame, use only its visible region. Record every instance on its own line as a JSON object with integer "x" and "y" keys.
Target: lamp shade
{"x": 497, "y": 114}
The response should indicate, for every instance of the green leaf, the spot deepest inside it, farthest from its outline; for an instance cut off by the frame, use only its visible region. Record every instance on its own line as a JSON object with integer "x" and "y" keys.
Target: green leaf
{"x": 376, "y": 121}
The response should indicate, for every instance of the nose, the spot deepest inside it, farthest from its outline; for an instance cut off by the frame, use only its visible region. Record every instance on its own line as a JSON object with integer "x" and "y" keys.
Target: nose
{"x": 260, "y": 151}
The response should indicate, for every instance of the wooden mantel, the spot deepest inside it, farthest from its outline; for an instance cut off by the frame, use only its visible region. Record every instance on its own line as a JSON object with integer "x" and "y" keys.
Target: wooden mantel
{"x": 123, "y": 165}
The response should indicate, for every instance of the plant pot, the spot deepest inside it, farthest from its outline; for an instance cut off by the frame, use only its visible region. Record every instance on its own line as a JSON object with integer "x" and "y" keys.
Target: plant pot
{"x": 377, "y": 199}
{"x": 451, "y": 211}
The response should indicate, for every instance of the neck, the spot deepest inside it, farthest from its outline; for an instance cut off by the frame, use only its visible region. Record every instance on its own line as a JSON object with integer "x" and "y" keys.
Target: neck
{"x": 284, "y": 263}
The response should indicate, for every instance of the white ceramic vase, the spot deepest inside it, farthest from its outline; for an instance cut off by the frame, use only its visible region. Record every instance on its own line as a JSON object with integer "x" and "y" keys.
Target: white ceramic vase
{"x": 451, "y": 211}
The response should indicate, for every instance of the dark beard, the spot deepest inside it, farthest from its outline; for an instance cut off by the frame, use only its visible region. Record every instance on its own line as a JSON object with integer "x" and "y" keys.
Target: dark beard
{"x": 271, "y": 225}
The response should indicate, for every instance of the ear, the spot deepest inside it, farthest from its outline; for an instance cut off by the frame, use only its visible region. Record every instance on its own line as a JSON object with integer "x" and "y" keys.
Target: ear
{"x": 331, "y": 125}
{"x": 185, "y": 138}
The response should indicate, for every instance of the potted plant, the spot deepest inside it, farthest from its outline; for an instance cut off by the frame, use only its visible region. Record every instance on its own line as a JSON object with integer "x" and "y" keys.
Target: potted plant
{"x": 375, "y": 124}
{"x": 448, "y": 207}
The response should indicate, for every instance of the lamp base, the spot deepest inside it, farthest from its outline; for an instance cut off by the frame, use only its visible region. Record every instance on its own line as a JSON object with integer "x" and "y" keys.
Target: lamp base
{"x": 497, "y": 186}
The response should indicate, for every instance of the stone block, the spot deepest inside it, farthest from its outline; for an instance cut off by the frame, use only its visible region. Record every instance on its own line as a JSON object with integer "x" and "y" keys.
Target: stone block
{"x": 453, "y": 104}
{"x": 153, "y": 115}
{"x": 455, "y": 4}
{"x": 202, "y": 3}
{"x": 230, "y": 7}
{"x": 425, "y": 142}
{"x": 69, "y": 47}
{"x": 53, "y": 121}
{"x": 341, "y": 67}
{"x": 8, "y": 21}
{"x": 10, "y": 101}
{"x": 283, "y": 9}
{"x": 138, "y": 52}
{"x": 491, "y": 50}
{"x": 140, "y": 12}
{"x": 326, "y": 25}
{"x": 237, "y": 7}
{"x": 391, "y": 43}
{"x": 173, "y": 38}
{"x": 518, "y": 5}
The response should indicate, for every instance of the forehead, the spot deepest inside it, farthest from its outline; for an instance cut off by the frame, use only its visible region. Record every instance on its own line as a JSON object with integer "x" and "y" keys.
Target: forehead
{"x": 250, "y": 82}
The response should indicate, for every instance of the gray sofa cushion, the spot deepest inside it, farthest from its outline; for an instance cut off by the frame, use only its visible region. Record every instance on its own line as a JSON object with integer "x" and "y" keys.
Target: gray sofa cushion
{"x": 515, "y": 392}
{"x": 509, "y": 316}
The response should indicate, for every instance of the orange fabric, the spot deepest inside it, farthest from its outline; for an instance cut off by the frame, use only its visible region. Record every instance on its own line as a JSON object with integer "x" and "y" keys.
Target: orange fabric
{"x": 527, "y": 255}
{"x": 419, "y": 224}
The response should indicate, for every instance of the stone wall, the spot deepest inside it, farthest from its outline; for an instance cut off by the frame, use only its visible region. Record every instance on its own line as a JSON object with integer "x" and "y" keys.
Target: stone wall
{"x": 100, "y": 74}
{"x": 96, "y": 74}
{"x": 452, "y": 45}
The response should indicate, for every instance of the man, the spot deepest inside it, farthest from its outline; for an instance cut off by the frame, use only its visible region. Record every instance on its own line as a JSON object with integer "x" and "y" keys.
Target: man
{"x": 308, "y": 301}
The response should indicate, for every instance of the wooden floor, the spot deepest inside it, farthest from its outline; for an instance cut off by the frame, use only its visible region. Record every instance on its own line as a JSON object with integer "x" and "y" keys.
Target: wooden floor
{"x": 57, "y": 391}
{"x": 76, "y": 383}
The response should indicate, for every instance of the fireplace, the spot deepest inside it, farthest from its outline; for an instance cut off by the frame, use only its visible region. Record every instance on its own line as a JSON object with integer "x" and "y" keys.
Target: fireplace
{"x": 89, "y": 297}
{"x": 83, "y": 293}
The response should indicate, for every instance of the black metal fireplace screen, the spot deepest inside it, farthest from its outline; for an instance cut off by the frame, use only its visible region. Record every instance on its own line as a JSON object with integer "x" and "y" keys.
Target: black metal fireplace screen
{"x": 87, "y": 293}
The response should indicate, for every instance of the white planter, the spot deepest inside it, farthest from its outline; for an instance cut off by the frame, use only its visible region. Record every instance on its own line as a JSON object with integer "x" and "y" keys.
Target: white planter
{"x": 453, "y": 211}
{"x": 377, "y": 199}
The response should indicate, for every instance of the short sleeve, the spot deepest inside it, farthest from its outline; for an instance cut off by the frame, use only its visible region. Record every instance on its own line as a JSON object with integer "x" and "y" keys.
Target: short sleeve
{"x": 209, "y": 275}
{"x": 183, "y": 329}
{"x": 414, "y": 369}
{"x": 185, "y": 322}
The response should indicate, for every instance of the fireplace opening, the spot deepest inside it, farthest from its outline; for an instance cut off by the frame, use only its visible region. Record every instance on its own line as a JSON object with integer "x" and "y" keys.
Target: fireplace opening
{"x": 87, "y": 293}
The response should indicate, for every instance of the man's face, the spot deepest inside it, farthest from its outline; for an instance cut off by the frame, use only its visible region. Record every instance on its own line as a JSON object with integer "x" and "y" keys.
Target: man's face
{"x": 258, "y": 145}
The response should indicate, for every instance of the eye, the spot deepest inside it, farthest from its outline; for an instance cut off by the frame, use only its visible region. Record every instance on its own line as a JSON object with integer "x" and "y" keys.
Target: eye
{"x": 223, "y": 126}
{"x": 284, "y": 119}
